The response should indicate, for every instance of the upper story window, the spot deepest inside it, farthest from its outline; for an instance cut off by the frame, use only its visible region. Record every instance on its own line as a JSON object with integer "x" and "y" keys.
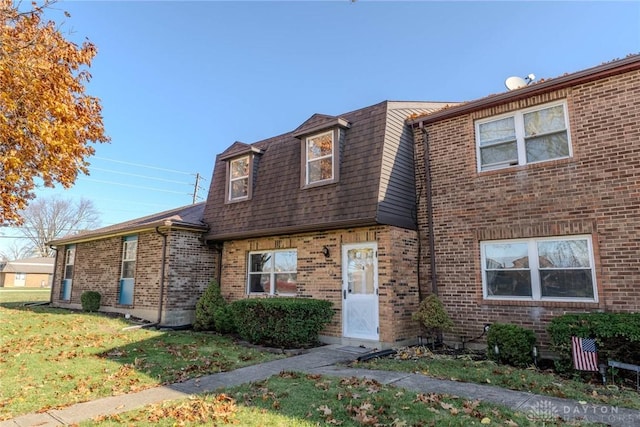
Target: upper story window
{"x": 525, "y": 136}
{"x": 551, "y": 268}
{"x": 319, "y": 158}
{"x": 273, "y": 272}
{"x": 239, "y": 178}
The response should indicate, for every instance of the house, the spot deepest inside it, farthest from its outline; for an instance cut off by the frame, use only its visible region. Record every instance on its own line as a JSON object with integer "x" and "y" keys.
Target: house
{"x": 325, "y": 211}
{"x": 29, "y": 272}
{"x": 514, "y": 208}
{"x": 532, "y": 200}
{"x": 154, "y": 268}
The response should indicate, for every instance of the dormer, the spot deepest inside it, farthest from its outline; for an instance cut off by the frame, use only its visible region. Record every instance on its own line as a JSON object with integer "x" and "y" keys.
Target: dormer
{"x": 241, "y": 164}
{"x": 321, "y": 138}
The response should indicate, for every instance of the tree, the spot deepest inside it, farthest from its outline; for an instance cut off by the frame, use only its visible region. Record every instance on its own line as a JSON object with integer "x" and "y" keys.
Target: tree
{"x": 16, "y": 251}
{"x": 47, "y": 122}
{"x": 49, "y": 218}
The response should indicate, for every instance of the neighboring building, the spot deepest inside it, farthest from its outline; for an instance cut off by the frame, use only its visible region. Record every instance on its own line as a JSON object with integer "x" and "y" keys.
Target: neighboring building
{"x": 153, "y": 268}
{"x": 535, "y": 197}
{"x": 27, "y": 273}
{"x": 326, "y": 211}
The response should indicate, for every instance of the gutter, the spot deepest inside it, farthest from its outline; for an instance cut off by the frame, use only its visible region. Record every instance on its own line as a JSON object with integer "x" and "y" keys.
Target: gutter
{"x": 626, "y": 65}
{"x": 432, "y": 239}
{"x": 164, "y": 257}
{"x": 284, "y": 230}
{"x": 91, "y": 236}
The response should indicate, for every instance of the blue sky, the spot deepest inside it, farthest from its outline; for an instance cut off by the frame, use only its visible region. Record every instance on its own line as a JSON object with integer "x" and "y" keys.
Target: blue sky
{"x": 181, "y": 81}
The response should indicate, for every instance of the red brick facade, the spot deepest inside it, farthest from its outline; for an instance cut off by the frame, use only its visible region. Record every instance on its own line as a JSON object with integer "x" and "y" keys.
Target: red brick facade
{"x": 321, "y": 277}
{"x": 595, "y": 192}
{"x": 189, "y": 267}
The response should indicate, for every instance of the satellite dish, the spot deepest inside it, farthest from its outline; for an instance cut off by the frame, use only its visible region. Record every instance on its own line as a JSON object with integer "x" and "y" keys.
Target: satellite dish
{"x": 515, "y": 83}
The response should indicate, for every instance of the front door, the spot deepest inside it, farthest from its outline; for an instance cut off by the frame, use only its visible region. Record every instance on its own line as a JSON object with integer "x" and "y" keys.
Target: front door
{"x": 360, "y": 291}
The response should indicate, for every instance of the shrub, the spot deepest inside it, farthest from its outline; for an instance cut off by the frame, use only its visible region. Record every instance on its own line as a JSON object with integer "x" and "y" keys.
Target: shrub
{"x": 515, "y": 344}
{"x": 213, "y": 313}
{"x": 281, "y": 322}
{"x": 432, "y": 315}
{"x": 617, "y": 336}
{"x": 90, "y": 301}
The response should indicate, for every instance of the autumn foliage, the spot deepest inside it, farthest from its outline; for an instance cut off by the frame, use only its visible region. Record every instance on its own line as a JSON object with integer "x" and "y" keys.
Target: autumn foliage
{"x": 47, "y": 122}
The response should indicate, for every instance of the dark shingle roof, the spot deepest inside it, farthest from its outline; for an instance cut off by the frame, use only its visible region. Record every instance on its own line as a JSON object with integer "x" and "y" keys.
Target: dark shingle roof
{"x": 189, "y": 216}
{"x": 279, "y": 205}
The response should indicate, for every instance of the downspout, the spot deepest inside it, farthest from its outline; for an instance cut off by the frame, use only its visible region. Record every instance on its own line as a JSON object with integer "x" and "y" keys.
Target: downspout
{"x": 164, "y": 257}
{"x": 432, "y": 239}
{"x": 218, "y": 248}
{"x": 55, "y": 267}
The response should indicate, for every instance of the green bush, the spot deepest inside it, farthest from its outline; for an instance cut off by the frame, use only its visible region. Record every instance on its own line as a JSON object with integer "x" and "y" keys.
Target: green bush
{"x": 90, "y": 301}
{"x": 213, "y": 313}
{"x": 281, "y": 322}
{"x": 432, "y": 315}
{"x": 515, "y": 344}
{"x": 617, "y": 336}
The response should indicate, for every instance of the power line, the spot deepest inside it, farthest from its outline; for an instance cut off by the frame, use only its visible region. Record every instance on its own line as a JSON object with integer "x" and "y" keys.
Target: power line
{"x": 142, "y": 166}
{"x": 142, "y": 176}
{"x": 133, "y": 186}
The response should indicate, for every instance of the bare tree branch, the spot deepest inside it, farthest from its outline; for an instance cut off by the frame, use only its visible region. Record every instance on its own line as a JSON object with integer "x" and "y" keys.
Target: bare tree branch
{"x": 50, "y": 218}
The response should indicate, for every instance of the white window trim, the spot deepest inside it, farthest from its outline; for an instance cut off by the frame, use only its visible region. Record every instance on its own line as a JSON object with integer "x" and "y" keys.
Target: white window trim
{"x": 332, "y": 156}
{"x": 231, "y": 180}
{"x": 518, "y": 116}
{"x": 272, "y": 273}
{"x": 128, "y": 240}
{"x": 536, "y": 293}
{"x": 69, "y": 260}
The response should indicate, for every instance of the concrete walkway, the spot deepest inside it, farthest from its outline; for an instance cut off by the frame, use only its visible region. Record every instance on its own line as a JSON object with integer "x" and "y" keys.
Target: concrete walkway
{"x": 325, "y": 361}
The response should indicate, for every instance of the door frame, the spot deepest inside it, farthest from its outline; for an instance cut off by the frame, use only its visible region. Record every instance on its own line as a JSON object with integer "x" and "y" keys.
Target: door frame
{"x": 374, "y": 297}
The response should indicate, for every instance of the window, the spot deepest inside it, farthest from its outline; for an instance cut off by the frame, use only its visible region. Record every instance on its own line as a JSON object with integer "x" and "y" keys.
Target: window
{"x": 20, "y": 279}
{"x": 319, "y": 160}
{"x": 555, "y": 268}
{"x": 129, "y": 252}
{"x": 526, "y": 136}
{"x": 67, "y": 279}
{"x": 239, "y": 178}
{"x": 273, "y": 272}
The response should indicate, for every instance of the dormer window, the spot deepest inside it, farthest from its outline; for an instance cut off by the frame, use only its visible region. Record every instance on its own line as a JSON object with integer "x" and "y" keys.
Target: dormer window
{"x": 321, "y": 138}
{"x": 239, "y": 178}
{"x": 242, "y": 163}
{"x": 320, "y": 158}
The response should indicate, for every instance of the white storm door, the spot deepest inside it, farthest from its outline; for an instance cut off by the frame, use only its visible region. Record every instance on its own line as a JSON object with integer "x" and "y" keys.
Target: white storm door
{"x": 360, "y": 291}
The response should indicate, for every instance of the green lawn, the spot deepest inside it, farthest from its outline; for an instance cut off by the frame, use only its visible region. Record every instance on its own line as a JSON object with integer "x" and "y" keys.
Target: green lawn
{"x": 294, "y": 399}
{"x": 587, "y": 387}
{"x": 52, "y": 358}
{"x": 22, "y": 295}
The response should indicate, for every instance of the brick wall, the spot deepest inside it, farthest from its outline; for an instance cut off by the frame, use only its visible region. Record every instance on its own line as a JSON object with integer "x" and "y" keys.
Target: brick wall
{"x": 321, "y": 278}
{"x": 595, "y": 192}
{"x": 190, "y": 265}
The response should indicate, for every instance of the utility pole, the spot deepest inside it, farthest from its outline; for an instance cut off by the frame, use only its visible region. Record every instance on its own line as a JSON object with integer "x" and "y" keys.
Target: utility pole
{"x": 196, "y": 188}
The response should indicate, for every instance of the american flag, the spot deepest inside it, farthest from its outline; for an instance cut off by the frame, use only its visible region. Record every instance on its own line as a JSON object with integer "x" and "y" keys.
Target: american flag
{"x": 585, "y": 354}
